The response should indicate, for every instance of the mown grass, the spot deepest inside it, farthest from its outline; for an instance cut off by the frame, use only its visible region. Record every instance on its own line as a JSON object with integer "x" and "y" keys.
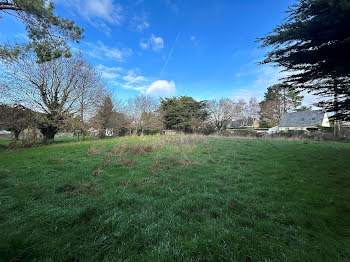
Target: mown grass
{"x": 176, "y": 199}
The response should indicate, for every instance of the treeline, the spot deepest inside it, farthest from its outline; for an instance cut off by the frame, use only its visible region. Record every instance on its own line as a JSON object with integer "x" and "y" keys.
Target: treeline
{"x": 148, "y": 115}
{"x": 68, "y": 94}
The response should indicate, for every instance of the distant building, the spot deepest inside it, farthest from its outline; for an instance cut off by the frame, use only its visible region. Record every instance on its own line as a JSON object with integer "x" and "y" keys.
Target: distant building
{"x": 95, "y": 132}
{"x": 302, "y": 121}
{"x": 169, "y": 132}
{"x": 109, "y": 132}
{"x": 5, "y": 134}
{"x": 248, "y": 122}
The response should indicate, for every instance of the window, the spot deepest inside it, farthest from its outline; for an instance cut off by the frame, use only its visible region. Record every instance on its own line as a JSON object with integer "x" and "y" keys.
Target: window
{"x": 303, "y": 119}
{"x": 313, "y": 118}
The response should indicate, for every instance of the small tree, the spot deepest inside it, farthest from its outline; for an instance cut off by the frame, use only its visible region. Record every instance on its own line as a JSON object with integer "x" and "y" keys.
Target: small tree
{"x": 141, "y": 112}
{"x": 253, "y": 108}
{"x": 152, "y": 121}
{"x": 15, "y": 119}
{"x": 222, "y": 112}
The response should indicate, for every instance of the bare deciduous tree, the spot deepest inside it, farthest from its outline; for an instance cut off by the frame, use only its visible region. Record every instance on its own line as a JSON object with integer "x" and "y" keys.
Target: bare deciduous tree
{"x": 271, "y": 112}
{"x": 222, "y": 111}
{"x": 57, "y": 89}
{"x": 253, "y": 108}
{"x": 142, "y": 113}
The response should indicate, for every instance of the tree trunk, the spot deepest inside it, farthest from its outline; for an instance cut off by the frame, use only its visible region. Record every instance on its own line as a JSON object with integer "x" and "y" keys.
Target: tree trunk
{"x": 337, "y": 129}
{"x": 49, "y": 133}
{"x": 102, "y": 133}
{"x": 16, "y": 134}
{"x": 337, "y": 124}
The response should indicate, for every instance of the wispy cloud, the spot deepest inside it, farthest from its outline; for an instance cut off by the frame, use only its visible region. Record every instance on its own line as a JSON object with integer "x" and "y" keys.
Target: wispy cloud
{"x": 264, "y": 77}
{"x": 154, "y": 42}
{"x": 170, "y": 4}
{"x": 133, "y": 78}
{"x": 267, "y": 76}
{"x": 99, "y": 13}
{"x": 194, "y": 40}
{"x": 109, "y": 72}
{"x": 142, "y": 26}
{"x": 101, "y": 51}
{"x": 139, "y": 23}
{"x": 144, "y": 45}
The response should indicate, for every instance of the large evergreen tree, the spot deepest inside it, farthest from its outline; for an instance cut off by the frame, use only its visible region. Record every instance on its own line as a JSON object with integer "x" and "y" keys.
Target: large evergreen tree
{"x": 313, "y": 44}
{"x": 48, "y": 33}
{"x": 184, "y": 113}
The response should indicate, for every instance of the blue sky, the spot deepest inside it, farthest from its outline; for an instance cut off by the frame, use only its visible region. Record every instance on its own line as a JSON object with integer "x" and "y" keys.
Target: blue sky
{"x": 203, "y": 49}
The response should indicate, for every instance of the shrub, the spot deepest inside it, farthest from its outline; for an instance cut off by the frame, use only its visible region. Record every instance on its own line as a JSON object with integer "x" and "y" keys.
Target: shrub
{"x": 208, "y": 130}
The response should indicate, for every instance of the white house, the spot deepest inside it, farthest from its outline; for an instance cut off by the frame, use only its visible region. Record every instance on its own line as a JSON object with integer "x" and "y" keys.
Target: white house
{"x": 95, "y": 132}
{"x": 302, "y": 121}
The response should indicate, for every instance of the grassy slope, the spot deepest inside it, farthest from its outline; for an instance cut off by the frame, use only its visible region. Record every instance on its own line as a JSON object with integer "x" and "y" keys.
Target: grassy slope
{"x": 215, "y": 199}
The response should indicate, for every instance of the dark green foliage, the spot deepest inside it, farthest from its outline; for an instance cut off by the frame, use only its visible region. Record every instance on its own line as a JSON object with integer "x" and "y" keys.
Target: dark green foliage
{"x": 107, "y": 118}
{"x": 119, "y": 124}
{"x": 208, "y": 129}
{"x": 278, "y": 99}
{"x": 47, "y": 32}
{"x": 304, "y": 108}
{"x": 192, "y": 199}
{"x": 16, "y": 119}
{"x": 104, "y": 117}
{"x": 184, "y": 113}
{"x": 313, "y": 45}
{"x": 326, "y": 129}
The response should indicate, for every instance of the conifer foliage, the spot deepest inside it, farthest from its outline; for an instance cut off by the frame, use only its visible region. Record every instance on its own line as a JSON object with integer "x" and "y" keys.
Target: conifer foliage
{"x": 313, "y": 45}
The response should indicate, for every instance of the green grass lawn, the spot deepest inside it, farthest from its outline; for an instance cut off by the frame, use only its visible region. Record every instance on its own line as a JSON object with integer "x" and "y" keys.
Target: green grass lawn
{"x": 176, "y": 199}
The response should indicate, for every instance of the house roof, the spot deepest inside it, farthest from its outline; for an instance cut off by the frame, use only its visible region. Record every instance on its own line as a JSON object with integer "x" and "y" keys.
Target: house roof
{"x": 243, "y": 122}
{"x": 304, "y": 118}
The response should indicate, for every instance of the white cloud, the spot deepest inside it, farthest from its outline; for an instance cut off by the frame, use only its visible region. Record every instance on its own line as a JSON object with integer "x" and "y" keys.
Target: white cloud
{"x": 101, "y": 51}
{"x": 139, "y": 22}
{"x": 132, "y": 78}
{"x": 109, "y": 72}
{"x": 144, "y": 45}
{"x": 161, "y": 88}
{"x": 156, "y": 42}
{"x": 142, "y": 26}
{"x": 99, "y": 13}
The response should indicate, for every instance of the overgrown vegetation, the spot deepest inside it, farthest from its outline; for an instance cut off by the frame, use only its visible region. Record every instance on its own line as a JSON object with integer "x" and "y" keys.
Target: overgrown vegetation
{"x": 176, "y": 199}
